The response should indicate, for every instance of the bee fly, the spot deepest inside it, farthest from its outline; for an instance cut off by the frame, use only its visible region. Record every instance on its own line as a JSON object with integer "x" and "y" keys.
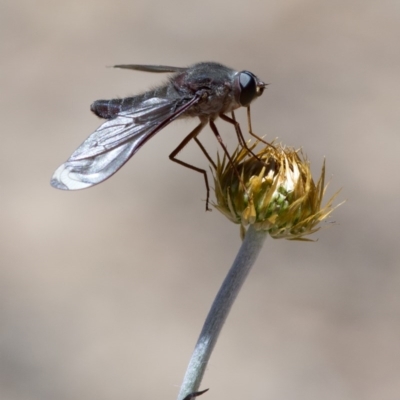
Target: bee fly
{"x": 206, "y": 90}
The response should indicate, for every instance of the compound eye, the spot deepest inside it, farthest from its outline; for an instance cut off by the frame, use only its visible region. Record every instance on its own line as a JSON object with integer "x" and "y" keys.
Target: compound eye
{"x": 248, "y": 88}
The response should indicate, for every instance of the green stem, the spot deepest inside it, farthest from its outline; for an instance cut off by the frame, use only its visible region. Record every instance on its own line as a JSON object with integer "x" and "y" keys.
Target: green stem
{"x": 247, "y": 255}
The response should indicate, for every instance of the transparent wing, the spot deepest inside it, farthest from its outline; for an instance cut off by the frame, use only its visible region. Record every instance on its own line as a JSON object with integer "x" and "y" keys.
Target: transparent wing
{"x": 107, "y": 149}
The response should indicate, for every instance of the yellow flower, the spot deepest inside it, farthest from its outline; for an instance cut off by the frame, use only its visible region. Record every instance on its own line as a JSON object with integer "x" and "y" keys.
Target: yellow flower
{"x": 276, "y": 194}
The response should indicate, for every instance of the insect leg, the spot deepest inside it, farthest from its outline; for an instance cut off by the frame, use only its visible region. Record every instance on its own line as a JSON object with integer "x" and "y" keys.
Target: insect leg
{"x": 218, "y": 136}
{"x": 239, "y": 134}
{"x": 211, "y": 161}
{"x": 188, "y": 138}
{"x": 251, "y": 130}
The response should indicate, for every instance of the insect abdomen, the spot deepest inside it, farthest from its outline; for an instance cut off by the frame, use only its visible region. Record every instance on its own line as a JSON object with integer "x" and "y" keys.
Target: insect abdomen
{"x": 109, "y": 109}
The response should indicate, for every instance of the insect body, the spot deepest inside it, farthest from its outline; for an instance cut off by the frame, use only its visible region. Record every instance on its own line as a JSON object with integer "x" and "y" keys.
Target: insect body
{"x": 205, "y": 90}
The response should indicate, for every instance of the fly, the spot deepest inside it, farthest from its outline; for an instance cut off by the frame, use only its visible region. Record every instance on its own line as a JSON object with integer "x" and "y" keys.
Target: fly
{"x": 206, "y": 90}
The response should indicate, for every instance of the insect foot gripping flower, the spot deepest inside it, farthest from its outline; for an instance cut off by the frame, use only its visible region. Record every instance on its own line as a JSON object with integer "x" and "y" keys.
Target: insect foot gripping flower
{"x": 275, "y": 192}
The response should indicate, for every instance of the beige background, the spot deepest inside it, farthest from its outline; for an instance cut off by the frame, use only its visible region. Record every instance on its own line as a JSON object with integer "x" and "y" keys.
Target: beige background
{"x": 103, "y": 292}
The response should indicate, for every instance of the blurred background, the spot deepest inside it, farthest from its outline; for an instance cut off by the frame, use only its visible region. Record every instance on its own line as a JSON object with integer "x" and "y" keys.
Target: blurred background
{"x": 103, "y": 292}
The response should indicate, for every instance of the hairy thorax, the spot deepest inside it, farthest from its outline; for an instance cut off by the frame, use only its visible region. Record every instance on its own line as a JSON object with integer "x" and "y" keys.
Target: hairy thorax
{"x": 213, "y": 104}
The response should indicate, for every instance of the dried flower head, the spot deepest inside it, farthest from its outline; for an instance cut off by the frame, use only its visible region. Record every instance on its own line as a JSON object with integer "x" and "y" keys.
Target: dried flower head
{"x": 276, "y": 194}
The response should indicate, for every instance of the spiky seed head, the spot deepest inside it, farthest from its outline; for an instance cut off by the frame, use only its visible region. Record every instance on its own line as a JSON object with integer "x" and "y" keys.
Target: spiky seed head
{"x": 276, "y": 192}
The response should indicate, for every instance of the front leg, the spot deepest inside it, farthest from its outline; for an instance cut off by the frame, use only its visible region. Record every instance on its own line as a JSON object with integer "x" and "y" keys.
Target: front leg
{"x": 239, "y": 134}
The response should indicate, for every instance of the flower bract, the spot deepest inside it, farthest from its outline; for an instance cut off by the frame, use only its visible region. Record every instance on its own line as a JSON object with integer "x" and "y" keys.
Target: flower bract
{"x": 273, "y": 190}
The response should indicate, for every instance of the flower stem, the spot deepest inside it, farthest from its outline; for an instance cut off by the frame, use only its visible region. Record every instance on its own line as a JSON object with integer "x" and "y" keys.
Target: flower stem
{"x": 247, "y": 255}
